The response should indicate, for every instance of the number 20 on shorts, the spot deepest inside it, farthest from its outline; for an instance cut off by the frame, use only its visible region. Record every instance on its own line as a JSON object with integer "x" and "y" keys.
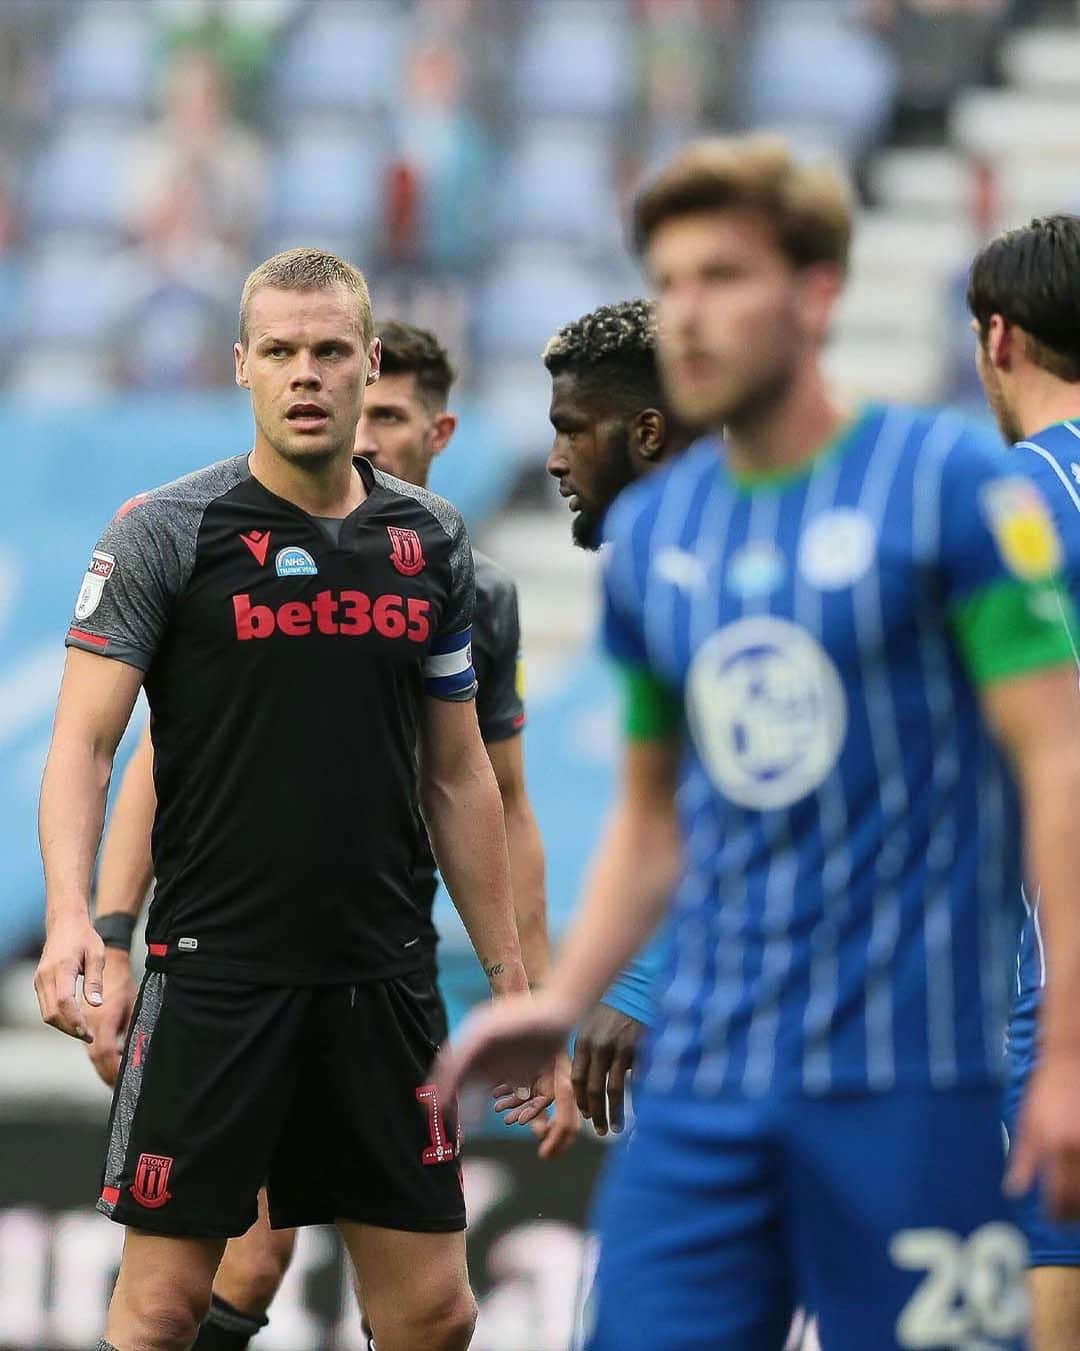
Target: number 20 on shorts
{"x": 973, "y": 1287}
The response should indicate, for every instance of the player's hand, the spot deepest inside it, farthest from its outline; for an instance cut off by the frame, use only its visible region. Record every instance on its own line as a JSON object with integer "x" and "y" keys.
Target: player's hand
{"x": 603, "y": 1056}
{"x": 1046, "y": 1146}
{"x": 558, "y": 1131}
{"x": 72, "y": 949}
{"x": 108, "y": 1022}
{"x": 520, "y": 1106}
{"x": 512, "y": 1041}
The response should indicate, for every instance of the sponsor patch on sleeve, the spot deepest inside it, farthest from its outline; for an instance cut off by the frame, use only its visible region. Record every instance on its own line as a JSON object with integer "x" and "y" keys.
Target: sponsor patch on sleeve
{"x": 1023, "y": 528}
{"x": 93, "y": 587}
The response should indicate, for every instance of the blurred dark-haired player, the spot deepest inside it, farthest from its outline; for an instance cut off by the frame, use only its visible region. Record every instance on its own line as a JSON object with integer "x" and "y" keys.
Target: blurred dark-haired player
{"x": 843, "y": 656}
{"x": 301, "y": 622}
{"x": 1024, "y": 294}
{"x": 612, "y": 424}
{"x": 404, "y": 425}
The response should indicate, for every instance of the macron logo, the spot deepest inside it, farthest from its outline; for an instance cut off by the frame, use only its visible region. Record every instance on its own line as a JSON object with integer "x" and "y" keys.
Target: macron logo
{"x": 258, "y": 541}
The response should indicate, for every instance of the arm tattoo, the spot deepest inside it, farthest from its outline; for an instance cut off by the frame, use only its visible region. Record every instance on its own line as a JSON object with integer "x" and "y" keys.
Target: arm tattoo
{"x": 495, "y": 969}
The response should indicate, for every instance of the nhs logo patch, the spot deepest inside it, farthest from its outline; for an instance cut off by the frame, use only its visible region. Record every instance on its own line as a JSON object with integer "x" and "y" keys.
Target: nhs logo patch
{"x": 293, "y": 561}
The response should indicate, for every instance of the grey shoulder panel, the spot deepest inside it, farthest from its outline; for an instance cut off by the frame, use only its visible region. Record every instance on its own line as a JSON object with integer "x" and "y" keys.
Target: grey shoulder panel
{"x": 143, "y": 561}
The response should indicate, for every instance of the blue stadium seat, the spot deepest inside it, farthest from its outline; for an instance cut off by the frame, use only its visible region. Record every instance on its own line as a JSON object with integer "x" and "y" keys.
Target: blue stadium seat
{"x": 575, "y": 60}
{"x": 531, "y": 291}
{"x": 823, "y": 81}
{"x": 104, "y": 57}
{"x": 328, "y": 181}
{"x": 341, "y": 56}
{"x": 560, "y": 183}
{"x": 54, "y": 377}
{"x": 78, "y": 180}
{"x": 69, "y": 294}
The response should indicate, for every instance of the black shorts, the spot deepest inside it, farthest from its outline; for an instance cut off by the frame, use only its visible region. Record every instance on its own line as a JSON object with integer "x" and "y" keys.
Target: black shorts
{"x": 321, "y": 1093}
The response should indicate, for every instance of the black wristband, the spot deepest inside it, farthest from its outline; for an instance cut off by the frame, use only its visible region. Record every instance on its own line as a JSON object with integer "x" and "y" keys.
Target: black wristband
{"x": 116, "y": 929}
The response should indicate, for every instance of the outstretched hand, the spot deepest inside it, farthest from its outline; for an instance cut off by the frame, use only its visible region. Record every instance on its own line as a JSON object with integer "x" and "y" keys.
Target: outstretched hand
{"x": 556, "y": 1133}
{"x": 558, "y": 1130}
{"x": 513, "y": 1041}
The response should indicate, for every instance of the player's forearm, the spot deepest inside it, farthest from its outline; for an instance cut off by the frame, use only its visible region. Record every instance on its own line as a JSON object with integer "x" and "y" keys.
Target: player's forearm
{"x": 632, "y": 878}
{"x": 527, "y": 881}
{"x": 465, "y": 821}
{"x": 127, "y": 869}
{"x": 1051, "y": 789}
{"x": 71, "y": 812}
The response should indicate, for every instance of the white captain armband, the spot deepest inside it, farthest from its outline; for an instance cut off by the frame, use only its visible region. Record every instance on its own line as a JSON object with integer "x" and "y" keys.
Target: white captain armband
{"x": 448, "y": 668}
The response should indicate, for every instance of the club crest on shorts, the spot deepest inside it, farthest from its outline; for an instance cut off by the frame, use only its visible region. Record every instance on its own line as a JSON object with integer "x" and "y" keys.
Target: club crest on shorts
{"x": 406, "y": 551}
{"x": 151, "y": 1185}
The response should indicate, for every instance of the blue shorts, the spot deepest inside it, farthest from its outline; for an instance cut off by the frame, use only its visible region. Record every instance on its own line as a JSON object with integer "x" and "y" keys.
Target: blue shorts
{"x": 1050, "y": 1243}
{"x": 883, "y": 1215}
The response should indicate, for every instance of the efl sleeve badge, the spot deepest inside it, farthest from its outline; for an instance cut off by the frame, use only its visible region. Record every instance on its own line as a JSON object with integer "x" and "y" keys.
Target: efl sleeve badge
{"x": 1023, "y": 528}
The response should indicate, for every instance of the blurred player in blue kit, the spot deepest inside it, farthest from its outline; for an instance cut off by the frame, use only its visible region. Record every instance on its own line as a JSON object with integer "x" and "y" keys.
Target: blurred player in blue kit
{"x": 845, "y": 667}
{"x": 1024, "y": 293}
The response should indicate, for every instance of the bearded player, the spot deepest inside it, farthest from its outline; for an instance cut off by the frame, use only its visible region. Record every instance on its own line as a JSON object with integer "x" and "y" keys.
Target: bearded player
{"x": 612, "y": 424}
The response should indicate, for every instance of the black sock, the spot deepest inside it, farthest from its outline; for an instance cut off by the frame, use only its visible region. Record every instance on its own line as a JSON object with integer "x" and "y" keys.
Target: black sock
{"x": 103, "y": 1345}
{"x": 226, "y": 1329}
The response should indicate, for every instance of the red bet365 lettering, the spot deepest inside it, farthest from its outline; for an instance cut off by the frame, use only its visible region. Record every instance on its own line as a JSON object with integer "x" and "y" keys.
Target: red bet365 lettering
{"x": 350, "y": 614}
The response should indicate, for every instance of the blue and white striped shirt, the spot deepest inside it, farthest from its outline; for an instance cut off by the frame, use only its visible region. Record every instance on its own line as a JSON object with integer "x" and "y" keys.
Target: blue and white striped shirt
{"x": 849, "y": 904}
{"x": 1052, "y": 460}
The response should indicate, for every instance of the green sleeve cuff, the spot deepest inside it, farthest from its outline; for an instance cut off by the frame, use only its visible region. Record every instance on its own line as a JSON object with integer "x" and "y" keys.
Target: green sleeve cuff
{"x": 1012, "y": 628}
{"x": 651, "y": 712}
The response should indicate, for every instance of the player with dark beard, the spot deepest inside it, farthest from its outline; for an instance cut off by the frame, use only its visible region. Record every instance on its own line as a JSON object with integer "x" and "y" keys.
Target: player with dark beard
{"x": 612, "y": 425}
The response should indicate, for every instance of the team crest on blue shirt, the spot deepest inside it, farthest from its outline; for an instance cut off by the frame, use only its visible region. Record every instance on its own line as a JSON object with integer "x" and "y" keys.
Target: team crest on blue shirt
{"x": 767, "y": 711}
{"x": 293, "y": 561}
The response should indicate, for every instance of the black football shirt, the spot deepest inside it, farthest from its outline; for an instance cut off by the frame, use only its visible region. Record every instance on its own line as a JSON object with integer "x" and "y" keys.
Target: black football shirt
{"x": 285, "y": 676}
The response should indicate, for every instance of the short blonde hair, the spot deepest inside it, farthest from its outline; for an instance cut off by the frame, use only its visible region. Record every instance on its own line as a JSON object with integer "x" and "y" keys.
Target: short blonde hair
{"x": 809, "y": 208}
{"x": 308, "y": 270}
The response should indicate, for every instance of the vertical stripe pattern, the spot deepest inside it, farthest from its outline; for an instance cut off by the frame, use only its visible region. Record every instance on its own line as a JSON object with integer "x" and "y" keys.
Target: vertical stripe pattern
{"x": 852, "y": 934}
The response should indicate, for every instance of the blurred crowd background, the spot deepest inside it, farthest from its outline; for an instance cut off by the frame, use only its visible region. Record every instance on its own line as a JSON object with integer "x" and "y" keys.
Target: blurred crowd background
{"x": 476, "y": 159}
